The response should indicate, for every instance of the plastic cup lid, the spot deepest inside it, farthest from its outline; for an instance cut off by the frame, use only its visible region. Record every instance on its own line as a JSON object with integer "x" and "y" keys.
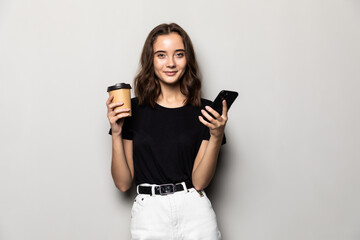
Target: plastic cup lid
{"x": 119, "y": 86}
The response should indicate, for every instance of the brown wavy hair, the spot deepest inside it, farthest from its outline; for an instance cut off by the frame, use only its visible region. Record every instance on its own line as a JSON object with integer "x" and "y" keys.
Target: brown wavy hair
{"x": 146, "y": 84}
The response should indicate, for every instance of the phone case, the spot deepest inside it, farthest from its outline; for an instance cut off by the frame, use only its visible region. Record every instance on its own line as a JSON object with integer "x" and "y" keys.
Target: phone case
{"x": 229, "y": 96}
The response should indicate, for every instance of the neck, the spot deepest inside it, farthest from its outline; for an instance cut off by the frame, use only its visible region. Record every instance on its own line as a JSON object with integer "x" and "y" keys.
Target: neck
{"x": 171, "y": 96}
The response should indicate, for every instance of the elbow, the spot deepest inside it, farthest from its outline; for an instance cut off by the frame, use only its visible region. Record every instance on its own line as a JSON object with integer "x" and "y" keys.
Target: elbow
{"x": 199, "y": 182}
{"x": 199, "y": 185}
{"x": 123, "y": 187}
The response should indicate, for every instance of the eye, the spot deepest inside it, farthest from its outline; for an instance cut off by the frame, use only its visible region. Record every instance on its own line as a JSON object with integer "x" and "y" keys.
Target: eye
{"x": 180, "y": 54}
{"x": 161, "y": 55}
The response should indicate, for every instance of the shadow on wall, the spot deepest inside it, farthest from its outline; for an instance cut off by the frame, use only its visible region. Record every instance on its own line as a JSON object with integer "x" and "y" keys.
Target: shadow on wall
{"x": 217, "y": 188}
{"x": 129, "y": 195}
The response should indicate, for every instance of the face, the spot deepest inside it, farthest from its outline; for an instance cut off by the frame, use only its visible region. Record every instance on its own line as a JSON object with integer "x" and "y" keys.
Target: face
{"x": 169, "y": 58}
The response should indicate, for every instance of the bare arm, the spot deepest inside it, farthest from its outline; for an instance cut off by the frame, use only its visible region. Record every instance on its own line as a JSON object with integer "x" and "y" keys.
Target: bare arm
{"x": 122, "y": 168}
{"x": 206, "y": 159}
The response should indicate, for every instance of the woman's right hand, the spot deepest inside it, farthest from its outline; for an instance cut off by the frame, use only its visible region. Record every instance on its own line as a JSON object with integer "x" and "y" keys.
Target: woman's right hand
{"x": 116, "y": 117}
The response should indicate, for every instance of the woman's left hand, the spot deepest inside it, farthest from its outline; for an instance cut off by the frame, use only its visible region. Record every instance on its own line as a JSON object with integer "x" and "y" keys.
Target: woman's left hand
{"x": 217, "y": 123}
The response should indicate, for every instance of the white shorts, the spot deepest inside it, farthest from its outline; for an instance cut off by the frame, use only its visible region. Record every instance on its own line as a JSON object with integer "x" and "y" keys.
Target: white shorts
{"x": 185, "y": 215}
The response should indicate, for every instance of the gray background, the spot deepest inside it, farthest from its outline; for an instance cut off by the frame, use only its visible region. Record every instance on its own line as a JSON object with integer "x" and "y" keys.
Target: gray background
{"x": 290, "y": 168}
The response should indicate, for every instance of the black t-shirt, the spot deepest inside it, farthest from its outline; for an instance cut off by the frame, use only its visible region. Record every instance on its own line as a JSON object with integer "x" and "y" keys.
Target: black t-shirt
{"x": 165, "y": 141}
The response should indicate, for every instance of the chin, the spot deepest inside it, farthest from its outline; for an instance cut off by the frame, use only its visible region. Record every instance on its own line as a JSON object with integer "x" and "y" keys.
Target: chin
{"x": 172, "y": 81}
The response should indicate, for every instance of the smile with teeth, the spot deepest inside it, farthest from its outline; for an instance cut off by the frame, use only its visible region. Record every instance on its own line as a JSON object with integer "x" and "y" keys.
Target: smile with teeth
{"x": 170, "y": 73}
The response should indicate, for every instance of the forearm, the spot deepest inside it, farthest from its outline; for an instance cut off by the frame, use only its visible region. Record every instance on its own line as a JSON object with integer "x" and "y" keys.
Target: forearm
{"x": 205, "y": 170}
{"x": 119, "y": 168}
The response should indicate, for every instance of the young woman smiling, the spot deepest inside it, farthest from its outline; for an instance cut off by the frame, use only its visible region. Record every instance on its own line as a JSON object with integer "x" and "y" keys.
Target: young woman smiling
{"x": 167, "y": 147}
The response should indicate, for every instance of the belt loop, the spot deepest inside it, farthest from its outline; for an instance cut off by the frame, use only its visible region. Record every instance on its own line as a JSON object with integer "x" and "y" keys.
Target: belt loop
{"x": 184, "y": 186}
{"x": 153, "y": 190}
{"x": 137, "y": 189}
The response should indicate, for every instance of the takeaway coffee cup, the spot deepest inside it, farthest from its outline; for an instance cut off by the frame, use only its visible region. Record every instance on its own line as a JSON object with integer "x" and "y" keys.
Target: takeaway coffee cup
{"x": 121, "y": 93}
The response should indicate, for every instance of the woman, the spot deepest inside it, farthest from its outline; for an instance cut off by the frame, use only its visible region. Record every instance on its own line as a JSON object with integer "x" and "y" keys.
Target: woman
{"x": 167, "y": 147}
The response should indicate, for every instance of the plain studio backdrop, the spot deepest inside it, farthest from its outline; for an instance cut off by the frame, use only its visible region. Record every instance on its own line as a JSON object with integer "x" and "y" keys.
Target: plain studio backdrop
{"x": 290, "y": 169}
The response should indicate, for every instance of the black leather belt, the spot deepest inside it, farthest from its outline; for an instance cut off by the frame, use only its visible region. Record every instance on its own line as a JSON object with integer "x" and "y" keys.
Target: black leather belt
{"x": 163, "y": 189}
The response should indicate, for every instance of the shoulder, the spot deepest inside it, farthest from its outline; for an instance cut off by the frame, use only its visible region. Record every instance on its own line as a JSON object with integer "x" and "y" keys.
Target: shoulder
{"x": 134, "y": 101}
{"x": 138, "y": 108}
{"x": 135, "y": 104}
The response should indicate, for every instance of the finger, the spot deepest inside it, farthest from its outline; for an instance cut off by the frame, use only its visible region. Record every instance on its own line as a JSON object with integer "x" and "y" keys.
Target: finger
{"x": 118, "y": 111}
{"x": 225, "y": 108}
{"x": 212, "y": 111}
{"x": 207, "y": 115}
{"x": 120, "y": 116}
{"x": 109, "y": 100}
{"x": 122, "y": 110}
{"x": 114, "y": 105}
{"x": 207, "y": 124}
{"x": 115, "y": 118}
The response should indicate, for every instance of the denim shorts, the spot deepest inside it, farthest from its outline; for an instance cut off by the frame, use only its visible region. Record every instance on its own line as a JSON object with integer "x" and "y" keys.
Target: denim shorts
{"x": 185, "y": 215}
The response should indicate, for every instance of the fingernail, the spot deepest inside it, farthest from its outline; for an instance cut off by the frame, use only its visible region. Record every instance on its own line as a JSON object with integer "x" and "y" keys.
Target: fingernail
{"x": 207, "y": 107}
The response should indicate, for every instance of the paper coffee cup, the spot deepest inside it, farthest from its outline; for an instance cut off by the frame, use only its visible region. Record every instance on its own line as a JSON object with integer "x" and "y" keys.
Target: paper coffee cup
{"x": 121, "y": 93}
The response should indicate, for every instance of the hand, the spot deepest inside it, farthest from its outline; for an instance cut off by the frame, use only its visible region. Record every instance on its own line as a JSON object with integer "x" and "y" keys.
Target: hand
{"x": 116, "y": 117}
{"x": 216, "y": 124}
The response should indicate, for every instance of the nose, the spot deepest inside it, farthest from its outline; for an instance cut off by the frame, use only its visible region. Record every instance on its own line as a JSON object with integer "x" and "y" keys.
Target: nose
{"x": 171, "y": 62}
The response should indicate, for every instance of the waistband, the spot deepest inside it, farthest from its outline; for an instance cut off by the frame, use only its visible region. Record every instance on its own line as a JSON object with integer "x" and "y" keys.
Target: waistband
{"x": 162, "y": 189}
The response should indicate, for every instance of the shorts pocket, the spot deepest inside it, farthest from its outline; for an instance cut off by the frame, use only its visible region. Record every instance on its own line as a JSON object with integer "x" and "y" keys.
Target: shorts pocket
{"x": 139, "y": 203}
{"x": 201, "y": 197}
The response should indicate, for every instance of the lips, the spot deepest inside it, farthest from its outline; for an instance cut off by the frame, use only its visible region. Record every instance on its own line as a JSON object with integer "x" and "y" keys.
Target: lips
{"x": 170, "y": 73}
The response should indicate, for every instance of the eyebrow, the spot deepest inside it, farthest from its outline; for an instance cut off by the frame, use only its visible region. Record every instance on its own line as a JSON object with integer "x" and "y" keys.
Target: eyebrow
{"x": 162, "y": 51}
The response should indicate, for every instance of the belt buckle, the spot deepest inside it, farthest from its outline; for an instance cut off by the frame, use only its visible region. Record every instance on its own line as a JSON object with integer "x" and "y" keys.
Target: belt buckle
{"x": 166, "y": 189}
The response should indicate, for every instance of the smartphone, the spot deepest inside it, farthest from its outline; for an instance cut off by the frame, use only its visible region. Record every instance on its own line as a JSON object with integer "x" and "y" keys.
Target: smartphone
{"x": 229, "y": 96}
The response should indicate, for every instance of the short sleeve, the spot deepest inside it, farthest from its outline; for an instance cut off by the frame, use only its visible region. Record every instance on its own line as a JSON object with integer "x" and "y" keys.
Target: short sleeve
{"x": 206, "y": 135}
{"x": 127, "y": 132}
